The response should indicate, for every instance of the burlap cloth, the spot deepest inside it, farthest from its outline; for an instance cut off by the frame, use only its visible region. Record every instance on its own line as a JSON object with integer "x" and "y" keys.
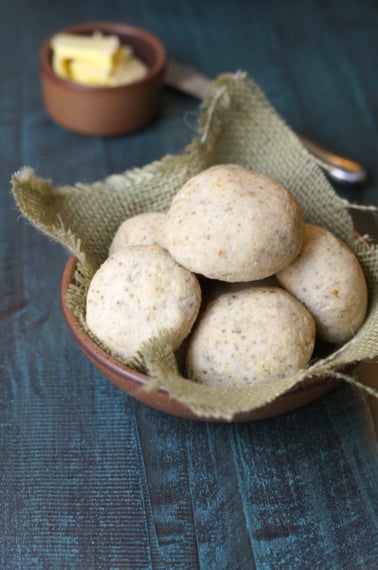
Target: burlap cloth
{"x": 236, "y": 124}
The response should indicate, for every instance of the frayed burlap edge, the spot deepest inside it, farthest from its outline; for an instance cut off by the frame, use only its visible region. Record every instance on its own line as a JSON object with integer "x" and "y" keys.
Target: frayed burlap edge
{"x": 236, "y": 124}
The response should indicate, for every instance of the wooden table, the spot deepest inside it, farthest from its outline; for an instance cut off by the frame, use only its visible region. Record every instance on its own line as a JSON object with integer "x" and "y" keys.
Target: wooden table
{"x": 91, "y": 479}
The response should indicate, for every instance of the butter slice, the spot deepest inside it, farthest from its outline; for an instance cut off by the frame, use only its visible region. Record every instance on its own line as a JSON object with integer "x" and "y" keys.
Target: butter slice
{"x": 127, "y": 72}
{"x": 61, "y": 67}
{"x": 124, "y": 53}
{"x": 88, "y": 74}
{"x": 98, "y": 50}
{"x": 97, "y": 60}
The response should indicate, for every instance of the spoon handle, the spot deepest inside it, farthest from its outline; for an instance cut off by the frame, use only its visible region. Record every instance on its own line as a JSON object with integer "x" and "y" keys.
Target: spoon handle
{"x": 339, "y": 168}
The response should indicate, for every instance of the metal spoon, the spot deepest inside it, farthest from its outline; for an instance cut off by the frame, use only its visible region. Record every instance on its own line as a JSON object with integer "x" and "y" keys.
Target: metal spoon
{"x": 339, "y": 168}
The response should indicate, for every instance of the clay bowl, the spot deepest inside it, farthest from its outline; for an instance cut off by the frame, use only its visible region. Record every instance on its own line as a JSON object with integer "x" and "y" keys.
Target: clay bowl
{"x": 133, "y": 382}
{"x": 106, "y": 111}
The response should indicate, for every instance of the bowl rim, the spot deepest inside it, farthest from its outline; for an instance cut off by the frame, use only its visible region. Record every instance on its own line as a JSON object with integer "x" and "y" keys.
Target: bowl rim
{"x": 116, "y": 28}
{"x": 304, "y": 393}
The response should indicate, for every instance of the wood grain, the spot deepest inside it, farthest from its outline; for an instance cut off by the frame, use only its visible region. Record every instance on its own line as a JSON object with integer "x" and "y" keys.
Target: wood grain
{"x": 91, "y": 479}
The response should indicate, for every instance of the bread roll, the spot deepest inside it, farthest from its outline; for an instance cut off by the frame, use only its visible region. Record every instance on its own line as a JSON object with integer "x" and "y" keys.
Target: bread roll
{"x": 257, "y": 334}
{"x": 136, "y": 293}
{"x": 143, "y": 229}
{"x": 233, "y": 224}
{"x": 327, "y": 278}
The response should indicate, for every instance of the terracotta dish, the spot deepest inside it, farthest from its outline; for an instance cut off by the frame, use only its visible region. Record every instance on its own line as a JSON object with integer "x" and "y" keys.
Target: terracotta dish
{"x": 132, "y": 382}
{"x": 106, "y": 111}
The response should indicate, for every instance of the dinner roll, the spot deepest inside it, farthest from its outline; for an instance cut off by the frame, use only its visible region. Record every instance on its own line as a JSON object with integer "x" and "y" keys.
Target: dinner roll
{"x": 327, "y": 278}
{"x": 136, "y": 293}
{"x": 233, "y": 224}
{"x": 143, "y": 229}
{"x": 257, "y": 334}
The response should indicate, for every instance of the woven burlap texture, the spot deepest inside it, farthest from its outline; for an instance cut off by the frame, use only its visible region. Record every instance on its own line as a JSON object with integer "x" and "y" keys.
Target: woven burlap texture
{"x": 236, "y": 124}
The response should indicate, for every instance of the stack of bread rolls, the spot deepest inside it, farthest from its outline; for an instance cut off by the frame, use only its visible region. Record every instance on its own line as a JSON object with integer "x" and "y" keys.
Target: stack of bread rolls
{"x": 233, "y": 269}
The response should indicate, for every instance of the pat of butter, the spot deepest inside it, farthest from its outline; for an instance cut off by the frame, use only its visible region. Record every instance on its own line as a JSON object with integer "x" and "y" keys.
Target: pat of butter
{"x": 61, "y": 66}
{"x": 127, "y": 68}
{"x": 127, "y": 72}
{"x": 87, "y": 74}
{"x": 97, "y": 49}
{"x": 95, "y": 60}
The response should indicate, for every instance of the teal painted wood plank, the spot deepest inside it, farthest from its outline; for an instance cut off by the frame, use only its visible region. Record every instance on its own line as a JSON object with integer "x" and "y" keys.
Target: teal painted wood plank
{"x": 293, "y": 521}
{"x": 90, "y": 479}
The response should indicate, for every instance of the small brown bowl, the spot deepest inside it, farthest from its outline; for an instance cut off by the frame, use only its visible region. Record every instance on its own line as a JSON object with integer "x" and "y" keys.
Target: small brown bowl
{"x": 133, "y": 382}
{"x": 106, "y": 111}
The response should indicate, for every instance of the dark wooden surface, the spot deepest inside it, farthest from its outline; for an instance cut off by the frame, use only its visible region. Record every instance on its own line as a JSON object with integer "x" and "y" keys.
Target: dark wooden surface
{"x": 89, "y": 478}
